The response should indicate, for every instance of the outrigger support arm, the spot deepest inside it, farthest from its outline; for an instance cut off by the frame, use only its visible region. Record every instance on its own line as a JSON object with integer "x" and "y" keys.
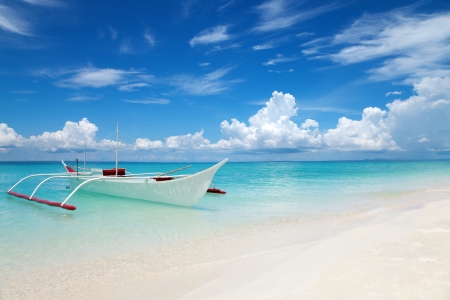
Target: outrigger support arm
{"x": 42, "y": 182}
{"x": 33, "y": 176}
{"x": 78, "y": 187}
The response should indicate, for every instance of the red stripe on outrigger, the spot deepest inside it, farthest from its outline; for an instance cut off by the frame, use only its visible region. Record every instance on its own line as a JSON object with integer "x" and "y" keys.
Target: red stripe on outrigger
{"x": 51, "y": 203}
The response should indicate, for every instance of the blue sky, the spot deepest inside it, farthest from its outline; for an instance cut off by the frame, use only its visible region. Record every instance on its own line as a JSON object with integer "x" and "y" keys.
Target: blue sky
{"x": 203, "y": 80}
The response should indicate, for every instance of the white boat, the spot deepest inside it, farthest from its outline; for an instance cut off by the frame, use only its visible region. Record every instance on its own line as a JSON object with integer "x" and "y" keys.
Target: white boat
{"x": 185, "y": 190}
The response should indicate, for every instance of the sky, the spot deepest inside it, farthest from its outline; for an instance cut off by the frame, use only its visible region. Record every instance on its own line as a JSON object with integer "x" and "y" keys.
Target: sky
{"x": 201, "y": 80}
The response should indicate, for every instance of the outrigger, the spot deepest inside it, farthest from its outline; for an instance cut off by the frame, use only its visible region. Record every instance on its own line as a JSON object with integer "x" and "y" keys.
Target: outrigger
{"x": 185, "y": 190}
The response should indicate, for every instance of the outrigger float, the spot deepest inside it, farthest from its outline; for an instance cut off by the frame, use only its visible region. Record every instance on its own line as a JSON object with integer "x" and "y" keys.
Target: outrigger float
{"x": 184, "y": 190}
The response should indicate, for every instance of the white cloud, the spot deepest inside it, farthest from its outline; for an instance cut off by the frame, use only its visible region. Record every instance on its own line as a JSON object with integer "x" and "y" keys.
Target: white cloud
{"x": 279, "y": 59}
{"x": 305, "y": 34}
{"x": 208, "y": 84}
{"x": 149, "y": 101}
{"x": 270, "y": 128}
{"x": 370, "y": 133}
{"x": 73, "y": 136}
{"x": 263, "y": 46}
{"x": 413, "y": 45}
{"x": 425, "y": 114}
{"x": 150, "y": 39}
{"x": 132, "y": 87}
{"x": 126, "y": 47}
{"x": 9, "y": 138}
{"x": 82, "y": 98}
{"x": 279, "y": 14}
{"x": 211, "y": 36}
{"x": 188, "y": 141}
{"x": 50, "y": 3}
{"x": 23, "y": 92}
{"x": 205, "y": 64}
{"x": 393, "y": 93}
{"x": 419, "y": 123}
{"x": 145, "y": 144}
{"x": 113, "y": 33}
{"x": 10, "y": 21}
{"x": 95, "y": 78}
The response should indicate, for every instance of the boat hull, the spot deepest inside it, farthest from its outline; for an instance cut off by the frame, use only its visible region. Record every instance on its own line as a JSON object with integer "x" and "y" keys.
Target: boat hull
{"x": 186, "y": 191}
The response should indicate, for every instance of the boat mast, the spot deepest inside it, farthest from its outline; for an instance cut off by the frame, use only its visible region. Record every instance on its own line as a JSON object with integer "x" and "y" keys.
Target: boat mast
{"x": 117, "y": 148}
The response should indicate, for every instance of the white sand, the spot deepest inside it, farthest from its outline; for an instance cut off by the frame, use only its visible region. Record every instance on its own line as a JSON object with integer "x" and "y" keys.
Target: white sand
{"x": 392, "y": 254}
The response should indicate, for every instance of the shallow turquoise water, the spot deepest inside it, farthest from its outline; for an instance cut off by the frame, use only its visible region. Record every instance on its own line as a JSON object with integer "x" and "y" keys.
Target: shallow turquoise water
{"x": 36, "y": 235}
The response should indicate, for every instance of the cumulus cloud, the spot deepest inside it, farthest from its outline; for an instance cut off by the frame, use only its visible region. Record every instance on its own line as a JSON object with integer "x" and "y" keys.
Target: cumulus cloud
{"x": 73, "y": 136}
{"x": 9, "y": 138}
{"x": 413, "y": 45}
{"x": 146, "y": 144}
{"x": 370, "y": 133}
{"x": 424, "y": 115}
{"x": 418, "y": 123}
{"x": 188, "y": 141}
{"x": 211, "y": 36}
{"x": 271, "y": 128}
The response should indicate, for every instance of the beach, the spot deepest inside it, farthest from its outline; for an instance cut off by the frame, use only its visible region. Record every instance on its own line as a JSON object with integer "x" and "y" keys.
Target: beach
{"x": 397, "y": 253}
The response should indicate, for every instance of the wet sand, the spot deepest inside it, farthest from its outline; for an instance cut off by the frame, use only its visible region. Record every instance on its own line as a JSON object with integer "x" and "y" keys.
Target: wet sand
{"x": 398, "y": 253}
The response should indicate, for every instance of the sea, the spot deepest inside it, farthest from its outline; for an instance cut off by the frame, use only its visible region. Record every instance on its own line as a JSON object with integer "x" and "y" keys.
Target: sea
{"x": 35, "y": 236}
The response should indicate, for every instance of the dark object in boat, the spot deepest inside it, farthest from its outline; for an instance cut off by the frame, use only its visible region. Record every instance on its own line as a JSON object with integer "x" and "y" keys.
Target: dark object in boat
{"x": 215, "y": 191}
{"x": 112, "y": 172}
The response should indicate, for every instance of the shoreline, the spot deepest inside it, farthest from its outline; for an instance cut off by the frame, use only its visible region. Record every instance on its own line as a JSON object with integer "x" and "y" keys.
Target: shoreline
{"x": 289, "y": 261}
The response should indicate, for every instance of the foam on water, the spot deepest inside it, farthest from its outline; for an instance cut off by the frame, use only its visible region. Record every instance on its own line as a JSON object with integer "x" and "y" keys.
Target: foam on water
{"x": 34, "y": 236}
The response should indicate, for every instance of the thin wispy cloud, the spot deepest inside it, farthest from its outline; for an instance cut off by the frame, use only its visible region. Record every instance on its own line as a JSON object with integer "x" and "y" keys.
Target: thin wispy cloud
{"x": 279, "y": 14}
{"x": 204, "y": 64}
{"x": 211, "y": 36}
{"x": 187, "y": 5}
{"x": 95, "y": 78}
{"x": 413, "y": 45}
{"x": 393, "y": 93}
{"x": 11, "y": 21}
{"x": 126, "y": 47}
{"x": 263, "y": 46}
{"x": 82, "y": 98}
{"x": 148, "y": 101}
{"x": 149, "y": 38}
{"x": 285, "y": 71}
{"x": 279, "y": 59}
{"x": 23, "y": 92}
{"x": 223, "y": 7}
{"x": 49, "y": 3}
{"x": 132, "y": 87}
{"x": 211, "y": 83}
{"x": 305, "y": 34}
{"x": 112, "y": 33}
